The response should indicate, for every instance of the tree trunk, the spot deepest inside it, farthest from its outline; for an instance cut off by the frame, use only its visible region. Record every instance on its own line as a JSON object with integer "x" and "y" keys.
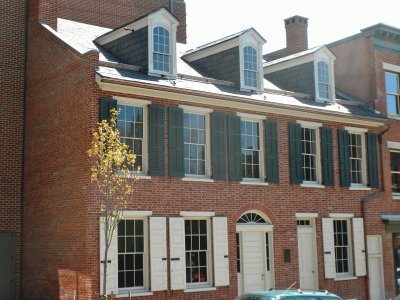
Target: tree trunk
{"x": 105, "y": 262}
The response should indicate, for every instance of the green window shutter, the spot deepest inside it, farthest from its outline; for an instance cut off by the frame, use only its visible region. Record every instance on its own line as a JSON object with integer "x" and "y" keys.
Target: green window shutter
{"x": 175, "y": 141}
{"x": 295, "y": 153}
{"x": 106, "y": 105}
{"x": 344, "y": 157}
{"x": 218, "y": 145}
{"x": 328, "y": 177}
{"x": 372, "y": 160}
{"x": 156, "y": 140}
{"x": 234, "y": 151}
{"x": 271, "y": 151}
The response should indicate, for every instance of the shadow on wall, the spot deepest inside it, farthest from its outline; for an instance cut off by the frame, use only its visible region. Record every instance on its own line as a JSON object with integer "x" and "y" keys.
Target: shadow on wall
{"x": 68, "y": 284}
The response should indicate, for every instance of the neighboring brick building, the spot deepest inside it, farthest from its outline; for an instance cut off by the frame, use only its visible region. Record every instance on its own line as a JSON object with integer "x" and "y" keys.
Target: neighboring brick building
{"x": 12, "y": 87}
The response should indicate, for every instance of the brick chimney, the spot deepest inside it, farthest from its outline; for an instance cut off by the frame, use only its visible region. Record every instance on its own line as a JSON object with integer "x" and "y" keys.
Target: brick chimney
{"x": 296, "y": 34}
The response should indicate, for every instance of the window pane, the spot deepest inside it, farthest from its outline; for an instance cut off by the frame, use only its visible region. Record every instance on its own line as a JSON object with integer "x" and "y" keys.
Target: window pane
{"x": 391, "y": 82}
{"x": 392, "y": 104}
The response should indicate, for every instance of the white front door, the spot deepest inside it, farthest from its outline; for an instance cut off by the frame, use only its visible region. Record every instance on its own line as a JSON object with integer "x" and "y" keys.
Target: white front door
{"x": 254, "y": 265}
{"x": 307, "y": 255}
{"x": 375, "y": 267}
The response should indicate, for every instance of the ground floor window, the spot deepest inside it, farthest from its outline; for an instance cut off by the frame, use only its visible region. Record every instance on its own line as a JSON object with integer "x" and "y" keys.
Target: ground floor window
{"x": 396, "y": 249}
{"x": 342, "y": 247}
{"x": 131, "y": 254}
{"x": 197, "y": 251}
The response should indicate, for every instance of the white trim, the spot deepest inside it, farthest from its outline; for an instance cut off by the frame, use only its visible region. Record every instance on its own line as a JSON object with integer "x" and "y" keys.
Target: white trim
{"x": 251, "y": 116}
{"x": 395, "y": 197}
{"x": 141, "y": 176}
{"x": 307, "y": 124}
{"x": 289, "y": 63}
{"x": 354, "y": 187}
{"x": 237, "y": 103}
{"x": 390, "y": 67}
{"x": 133, "y": 294}
{"x": 252, "y": 40}
{"x": 355, "y": 129}
{"x": 325, "y": 55}
{"x": 306, "y": 215}
{"x": 394, "y": 145}
{"x": 197, "y": 179}
{"x": 131, "y": 101}
{"x": 311, "y": 184}
{"x": 200, "y": 289}
{"x": 248, "y": 181}
{"x": 339, "y": 278}
{"x": 136, "y": 214}
{"x": 259, "y": 227}
{"x": 341, "y": 215}
{"x": 191, "y": 214}
{"x": 196, "y": 109}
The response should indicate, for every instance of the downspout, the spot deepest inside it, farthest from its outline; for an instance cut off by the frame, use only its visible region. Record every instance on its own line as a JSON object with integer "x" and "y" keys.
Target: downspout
{"x": 371, "y": 197}
{"x": 171, "y": 6}
{"x": 23, "y": 147}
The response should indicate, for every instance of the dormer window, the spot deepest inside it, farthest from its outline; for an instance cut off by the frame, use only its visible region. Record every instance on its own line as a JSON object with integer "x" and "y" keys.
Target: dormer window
{"x": 161, "y": 49}
{"x": 323, "y": 80}
{"x": 250, "y": 67}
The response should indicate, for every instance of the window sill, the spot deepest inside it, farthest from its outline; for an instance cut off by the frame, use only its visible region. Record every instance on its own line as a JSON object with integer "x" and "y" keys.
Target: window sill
{"x": 394, "y": 117}
{"x": 200, "y": 289}
{"x": 395, "y": 196}
{"x": 134, "y": 294}
{"x": 345, "y": 278}
{"x": 359, "y": 188}
{"x": 254, "y": 182}
{"x": 199, "y": 179}
{"x": 312, "y": 185}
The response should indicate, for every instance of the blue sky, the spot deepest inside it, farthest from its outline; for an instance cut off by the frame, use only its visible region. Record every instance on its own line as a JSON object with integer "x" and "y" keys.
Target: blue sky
{"x": 209, "y": 20}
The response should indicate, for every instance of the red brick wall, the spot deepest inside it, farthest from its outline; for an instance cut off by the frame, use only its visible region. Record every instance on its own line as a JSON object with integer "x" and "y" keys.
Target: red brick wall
{"x": 354, "y": 78}
{"x": 12, "y": 72}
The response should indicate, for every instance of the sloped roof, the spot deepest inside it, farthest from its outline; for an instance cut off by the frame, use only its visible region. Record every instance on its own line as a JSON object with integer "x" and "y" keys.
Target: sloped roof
{"x": 293, "y": 56}
{"x": 81, "y": 36}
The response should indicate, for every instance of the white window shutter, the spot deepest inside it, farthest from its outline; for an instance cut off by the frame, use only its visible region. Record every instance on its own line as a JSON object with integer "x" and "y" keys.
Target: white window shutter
{"x": 359, "y": 247}
{"x": 112, "y": 265}
{"x": 329, "y": 248}
{"x": 158, "y": 253}
{"x": 177, "y": 252}
{"x": 221, "y": 259}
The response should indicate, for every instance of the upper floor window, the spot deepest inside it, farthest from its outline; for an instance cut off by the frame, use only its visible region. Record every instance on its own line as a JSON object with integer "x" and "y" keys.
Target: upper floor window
{"x": 310, "y": 154}
{"x": 392, "y": 93}
{"x": 357, "y": 158}
{"x": 395, "y": 171}
{"x": 194, "y": 135}
{"x": 161, "y": 49}
{"x": 250, "y": 68}
{"x": 251, "y": 150}
{"x": 132, "y": 127}
{"x": 323, "y": 80}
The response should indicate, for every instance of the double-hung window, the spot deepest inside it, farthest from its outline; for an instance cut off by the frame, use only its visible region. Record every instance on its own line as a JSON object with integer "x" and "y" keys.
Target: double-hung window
{"x": 357, "y": 158}
{"x": 395, "y": 171}
{"x": 132, "y": 127}
{"x": 196, "y": 141}
{"x": 251, "y": 144}
{"x": 323, "y": 80}
{"x": 161, "y": 49}
{"x": 343, "y": 251}
{"x": 250, "y": 67}
{"x": 310, "y": 139}
{"x": 131, "y": 254}
{"x": 197, "y": 252}
{"x": 392, "y": 93}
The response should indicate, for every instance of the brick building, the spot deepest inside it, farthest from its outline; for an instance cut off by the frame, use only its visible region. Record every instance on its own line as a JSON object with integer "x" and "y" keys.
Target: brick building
{"x": 246, "y": 182}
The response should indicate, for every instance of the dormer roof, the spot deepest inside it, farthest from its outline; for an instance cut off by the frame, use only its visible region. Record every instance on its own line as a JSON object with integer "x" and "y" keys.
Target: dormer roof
{"x": 137, "y": 24}
{"x": 217, "y": 45}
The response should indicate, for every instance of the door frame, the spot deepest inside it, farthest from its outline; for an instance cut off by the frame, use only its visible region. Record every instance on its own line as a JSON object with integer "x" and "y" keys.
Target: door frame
{"x": 312, "y": 226}
{"x": 240, "y": 228}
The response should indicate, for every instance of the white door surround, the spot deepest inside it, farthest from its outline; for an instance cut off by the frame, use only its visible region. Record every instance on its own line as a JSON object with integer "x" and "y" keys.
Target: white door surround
{"x": 255, "y": 253}
{"x": 308, "y": 266}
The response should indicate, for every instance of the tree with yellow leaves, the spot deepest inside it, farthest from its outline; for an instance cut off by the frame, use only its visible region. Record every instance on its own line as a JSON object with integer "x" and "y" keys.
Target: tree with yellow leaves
{"x": 111, "y": 171}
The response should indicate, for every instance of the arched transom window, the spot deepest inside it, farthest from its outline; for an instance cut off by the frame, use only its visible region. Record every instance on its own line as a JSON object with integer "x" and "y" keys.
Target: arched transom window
{"x": 161, "y": 49}
{"x": 323, "y": 80}
{"x": 251, "y": 218}
{"x": 250, "y": 67}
